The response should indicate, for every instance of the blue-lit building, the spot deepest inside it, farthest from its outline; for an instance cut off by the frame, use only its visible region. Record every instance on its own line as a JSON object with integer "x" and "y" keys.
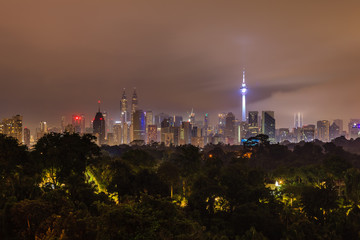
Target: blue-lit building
{"x": 139, "y": 125}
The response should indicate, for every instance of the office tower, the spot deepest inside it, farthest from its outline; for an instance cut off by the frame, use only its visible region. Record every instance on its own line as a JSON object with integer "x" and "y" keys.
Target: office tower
{"x": 99, "y": 127}
{"x": 63, "y": 124}
{"x": 268, "y": 124}
{"x": 242, "y": 131}
{"x": 12, "y": 127}
{"x": 354, "y": 128}
{"x": 77, "y": 123}
{"x": 253, "y": 124}
{"x": 323, "y": 130}
{"x": 117, "y": 130}
{"x": 230, "y": 128}
{"x": 206, "y": 128}
{"x": 185, "y": 133}
{"x": 283, "y": 135}
{"x": 334, "y": 131}
{"x": 27, "y": 137}
{"x": 309, "y": 132}
{"x": 139, "y": 125}
{"x": 110, "y": 138}
{"x": 134, "y": 102}
{"x": 177, "y": 121}
{"x": 159, "y": 118}
{"x": 43, "y": 127}
{"x": 243, "y": 93}
{"x": 298, "y": 120}
{"x": 152, "y": 133}
{"x": 149, "y": 118}
{"x": 340, "y": 124}
{"x": 123, "y": 108}
{"x": 125, "y": 133}
{"x": 165, "y": 128}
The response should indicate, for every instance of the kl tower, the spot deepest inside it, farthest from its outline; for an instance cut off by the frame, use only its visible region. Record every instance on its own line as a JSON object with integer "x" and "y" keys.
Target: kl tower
{"x": 243, "y": 93}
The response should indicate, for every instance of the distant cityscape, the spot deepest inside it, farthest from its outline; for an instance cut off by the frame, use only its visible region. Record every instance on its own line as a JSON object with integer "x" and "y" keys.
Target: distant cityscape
{"x": 139, "y": 127}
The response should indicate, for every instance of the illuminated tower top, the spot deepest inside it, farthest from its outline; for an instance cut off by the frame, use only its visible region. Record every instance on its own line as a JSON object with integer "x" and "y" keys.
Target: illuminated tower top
{"x": 243, "y": 93}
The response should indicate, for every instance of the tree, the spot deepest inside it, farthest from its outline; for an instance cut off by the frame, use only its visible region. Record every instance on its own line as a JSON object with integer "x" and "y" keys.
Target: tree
{"x": 64, "y": 157}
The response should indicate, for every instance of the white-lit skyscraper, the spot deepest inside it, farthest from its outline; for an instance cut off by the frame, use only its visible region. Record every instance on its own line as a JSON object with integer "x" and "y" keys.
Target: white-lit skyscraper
{"x": 243, "y": 93}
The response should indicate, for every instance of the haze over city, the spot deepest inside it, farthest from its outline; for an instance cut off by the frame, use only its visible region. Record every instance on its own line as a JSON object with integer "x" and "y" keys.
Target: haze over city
{"x": 59, "y": 58}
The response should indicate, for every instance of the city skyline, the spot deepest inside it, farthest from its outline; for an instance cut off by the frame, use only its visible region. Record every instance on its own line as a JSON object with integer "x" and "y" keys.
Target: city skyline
{"x": 299, "y": 57}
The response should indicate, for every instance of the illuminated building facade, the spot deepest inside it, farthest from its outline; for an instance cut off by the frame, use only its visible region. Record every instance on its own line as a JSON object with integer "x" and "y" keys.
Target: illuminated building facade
{"x": 323, "y": 130}
{"x": 354, "y": 128}
{"x": 12, "y": 127}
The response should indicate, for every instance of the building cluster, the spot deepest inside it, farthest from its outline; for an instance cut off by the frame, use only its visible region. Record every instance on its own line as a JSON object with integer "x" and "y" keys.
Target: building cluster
{"x": 137, "y": 126}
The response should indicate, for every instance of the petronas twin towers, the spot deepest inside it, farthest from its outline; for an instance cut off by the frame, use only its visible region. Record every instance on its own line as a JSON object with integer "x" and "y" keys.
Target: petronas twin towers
{"x": 125, "y": 116}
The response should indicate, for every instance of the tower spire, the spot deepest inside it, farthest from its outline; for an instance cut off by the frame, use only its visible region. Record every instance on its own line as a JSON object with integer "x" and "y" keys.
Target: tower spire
{"x": 99, "y": 102}
{"x": 243, "y": 93}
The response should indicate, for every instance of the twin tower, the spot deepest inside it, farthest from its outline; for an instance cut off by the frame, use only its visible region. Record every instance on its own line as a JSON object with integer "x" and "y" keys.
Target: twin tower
{"x": 125, "y": 116}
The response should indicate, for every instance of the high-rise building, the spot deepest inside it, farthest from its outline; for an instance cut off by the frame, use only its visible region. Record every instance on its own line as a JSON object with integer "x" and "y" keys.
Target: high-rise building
{"x": 283, "y": 135}
{"x": 151, "y": 133}
{"x": 340, "y": 124}
{"x": 123, "y": 108}
{"x": 99, "y": 127}
{"x": 177, "y": 121}
{"x": 12, "y": 127}
{"x": 159, "y": 118}
{"x": 27, "y": 137}
{"x": 117, "y": 130}
{"x": 354, "y": 128}
{"x": 268, "y": 124}
{"x": 323, "y": 130}
{"x": 230, "y": 128}
{"x": 334, "y": 131}
{"x": 309, "y": 132}
{"x": 78, "y": 122}
{"x": 185, "y": 133}
{"x": 298, "y": 120}
{"x": 243, "y": 93}
{"x": 253, "y": 124}
{"x": 139, "y": 125}
{"x": 134, "y": 102}
{"x": 206, "y": 128}
{"x": 165, "y": 129}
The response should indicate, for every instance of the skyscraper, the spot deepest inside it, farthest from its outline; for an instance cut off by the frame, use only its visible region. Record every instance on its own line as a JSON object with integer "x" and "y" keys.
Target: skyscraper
{"x": 334, "y": 131}
{"x": 243, "y": 93}
{"x": 268, "y": 124}
{"x": 123, "y": 108}
{"x": 99, "y": 127}
{"x": 151, "y": 133}
{"x": 230, "y": 128}
{"x": 298, "y": 120}
{"x": 139, "y": 125}
{"x": 253, "y": 124}
{"x": 323, "y": 130}
{"x": 134, "y": 102}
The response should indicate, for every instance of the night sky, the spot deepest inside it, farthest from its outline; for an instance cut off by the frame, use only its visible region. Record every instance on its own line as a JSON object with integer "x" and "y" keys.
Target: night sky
{"x": 59, "y": 57}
